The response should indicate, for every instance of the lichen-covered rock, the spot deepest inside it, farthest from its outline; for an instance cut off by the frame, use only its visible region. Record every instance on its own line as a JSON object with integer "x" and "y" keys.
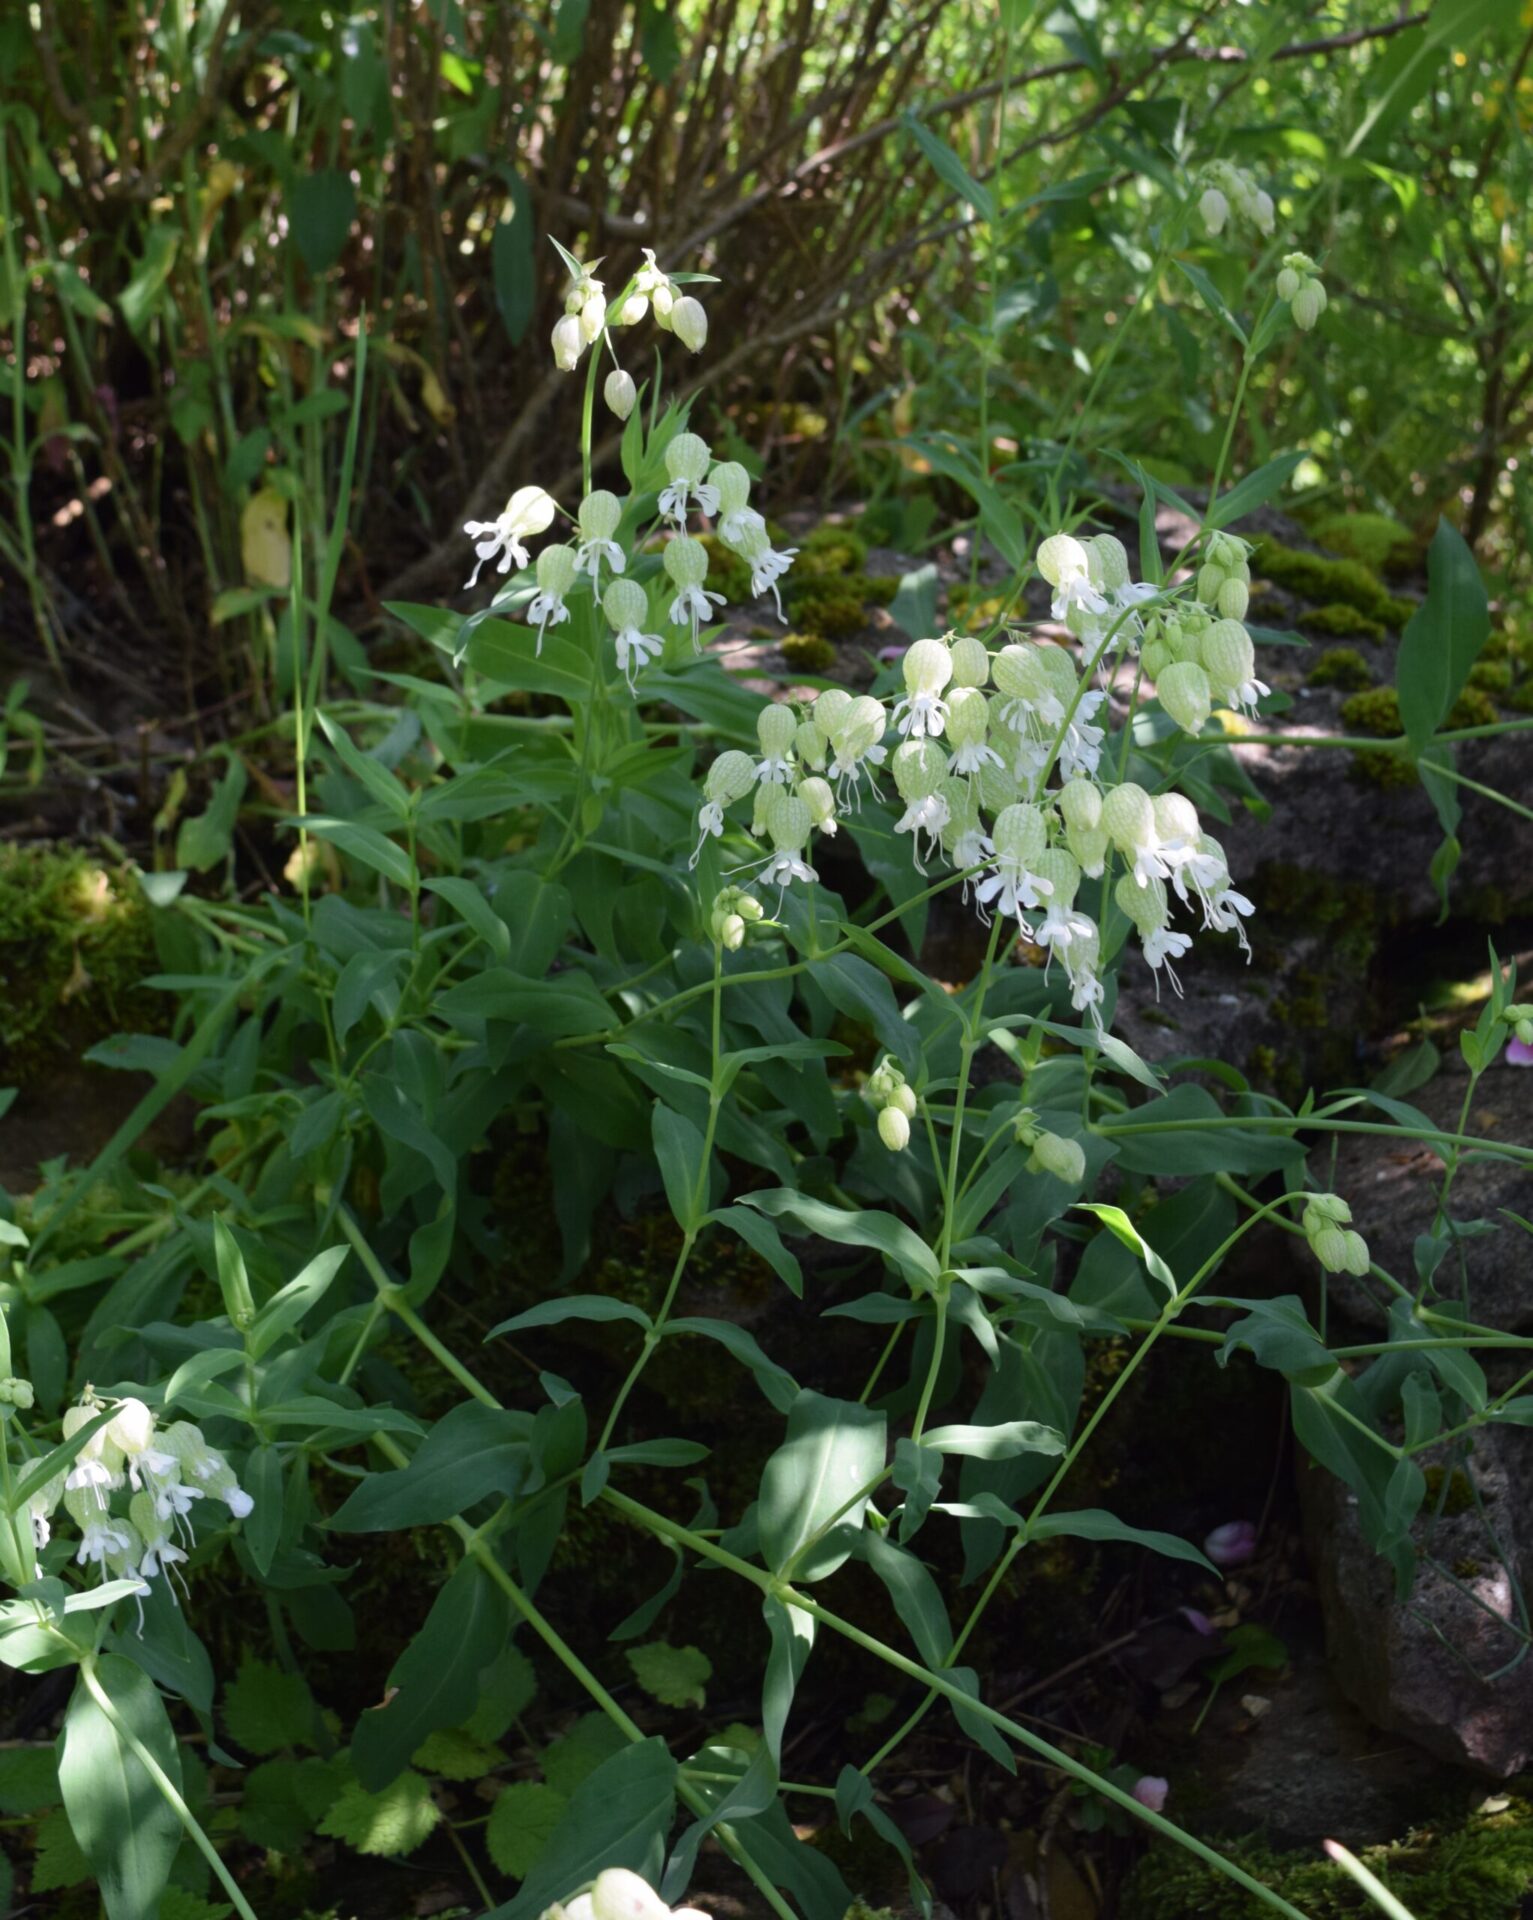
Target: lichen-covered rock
{"x": 1442, "y": 1666}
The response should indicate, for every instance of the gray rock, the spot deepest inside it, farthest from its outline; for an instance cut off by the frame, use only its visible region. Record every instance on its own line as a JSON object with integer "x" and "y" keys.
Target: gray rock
{"x": 1392, "y": 1188}
{"x": 1436, "y": 1667}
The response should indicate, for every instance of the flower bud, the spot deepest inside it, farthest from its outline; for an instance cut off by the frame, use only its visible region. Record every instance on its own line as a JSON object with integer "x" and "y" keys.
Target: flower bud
{"x": 1062, "y": 558}
{"x": 919, "y": 768}
{"x": 688, "y": 322}
{"x": 1065, "y": 1159}
{"x": 1146, "y": 905}
{"x": 1089, "y": 846}
{"x": 927, "y": 667}
{"x": 1154, "y": 657}
{"x": 971, "y": 662}
{"x": 830, "y": 709}
{"x": 1234, "y": 598}
{"x": 903, "y": 1099}
{"x": 1080, "y": 802}
{"x": 775, "y": 729}
{"x": 1228, "y": 656}
{"x": 1214, "y": 208}
{"x": 1128, "y": 818}
{"x": 620, "y": 393}
{"x": 622, "y": 1895}
{"x": 16, "y": 1393}
{"x": 1020, "y": 835}
{"x": 1184, "y": 692}
{"x": 556, "y": 570}
{"x": 131, "y": 1427}
{"x": 733, "y": 485}
{"x": 1210, "y": 580}
{"x": 599, "y": 515}
{"x": 894, "y": 1129}
{"x": 686, "y": 559}
{"x": 568, "y": 343}
{"x": 625, "y": 604}
{"x": 1308, "y": 304}
{"x": 821, "y": 802}
{"x": 687, "y": 457}
{"x": 1109, "y": 560}
{"x": 730, "y": 778}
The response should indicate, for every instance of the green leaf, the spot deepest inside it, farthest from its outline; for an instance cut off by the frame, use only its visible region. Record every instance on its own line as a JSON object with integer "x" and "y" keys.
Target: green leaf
{"x": 1122, "y": 1228}
{"x": 390, "y": 1823}
{"x": 1211, "y": 297}
{"x": 286, "y": 1308}
{"x": 208, "y": 838}
{"x": 1443, "y": 638}
{"x": 574, "y": 1306}
{"x": 763, "y": 1238}
{"x": 619, "y": 1817}
{"x": 775, "y": 1382}
{"x": 833, "y": 1448}
{"x": 507, "y": 1688}
{"x": 1278, "y": 1334}
{"x": 29, "y": 1779}
{"x": 1003, "y": 1441}
{"x": 435, "y": 1682}
{"x": 320, "y": 209}
{"x": 915, "y": 1596}
{"x": 471, "y": 1452}
{"x": 367, "y": 844}
{"x": 675, "y": 1676}
{"x": 453, "y": 1754}
{"x": 58, "y": 1861}
{"x": 267, "y": 1710}
{"x": 679, "y": 1149}
{"x": 1093, "y": 1523}
{"x": 573, "y": 1759}
{"x": 1253, "y": 491}
{"x": 511, "y": 264}
{"x": 950, "y": 169}
{"x": 504, "y": 652}
{"x": 140, "y": 296}
{"x": 861, "y": 991}
{"x": 522, "y": 1821}
{"x": 865, "y": 1228}
{"x": 123, "y": 1824}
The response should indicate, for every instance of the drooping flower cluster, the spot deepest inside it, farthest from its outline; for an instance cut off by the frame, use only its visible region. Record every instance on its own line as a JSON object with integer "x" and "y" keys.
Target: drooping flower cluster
{"x": 1228, "y": 189}
{"x": 895, "y": 1099}
{"x": 131, "y": 1488}
{"x": 586, "y": 316}
{"x": 1050, "y": 1152}
{"x": 1199, "y": 654}
{"x": 996, "y": 763}
{"x": 1331, "y": 1239}
{"x": 1298, "y": 283}
{"x": 695, "y": 482}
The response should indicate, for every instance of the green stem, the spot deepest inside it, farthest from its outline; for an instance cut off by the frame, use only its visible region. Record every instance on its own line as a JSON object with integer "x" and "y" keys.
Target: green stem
{"x": 949, "y": 1689}
{"x": 393, "y": 1299}
{"x": 168, "y": 1790}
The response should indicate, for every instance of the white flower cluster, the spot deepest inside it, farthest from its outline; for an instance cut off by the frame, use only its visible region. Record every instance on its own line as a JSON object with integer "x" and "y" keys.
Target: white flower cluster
{"x": 131, "y": 1488}
{"x": 1298, "y": 283}
{"x": 1230, "y": 189}
{"x": 718, "y": 489}
{"x": 1199, "y": 654}
{"x": 586, "y": 315}
{"x": 618, "y": 1894}
{"x": 979, "y": 736}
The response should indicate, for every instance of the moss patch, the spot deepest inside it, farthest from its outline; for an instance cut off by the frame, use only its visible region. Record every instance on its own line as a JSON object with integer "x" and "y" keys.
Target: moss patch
{"x": 808, "y": 653}
{"x": 75, "y": 942}
{"x": 1339, "y": 619}
{"x": 1481, "y": 1866}
{"x": 1328, "y": 583}
{"x": 1377, "y": 540}
{"x": 1342, "y": 667}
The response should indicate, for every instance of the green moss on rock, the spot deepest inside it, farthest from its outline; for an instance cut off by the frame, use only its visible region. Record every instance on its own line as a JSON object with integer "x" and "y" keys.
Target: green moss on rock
{"x": 1480, "y": 1866}
{"x": 1327, "y": 583}
{"x": 1342, "y": 667}
{"x": 1339, "y": 620}
{"x": 808, "y": 653}
{"x": 75, "y": 942}
{"x": 1379, "y": 541}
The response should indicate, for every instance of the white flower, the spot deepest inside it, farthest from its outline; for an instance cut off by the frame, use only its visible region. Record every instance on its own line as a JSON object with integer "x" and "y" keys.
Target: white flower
{"x": 686, "y": 461}
{"x": 768, "y": 565}
{"x": 598, "y": 519}
{"x": 1215, "y": 210}
{"x": 529, "y": 511}
{"x": 626, "y": 606}
{"x": 686, "y": 561}
{"x": 1075, "y": 591}
{"x": 1162, "y": 947}
{"x": 927, "y": 668}
{"x": 556, "y": 575}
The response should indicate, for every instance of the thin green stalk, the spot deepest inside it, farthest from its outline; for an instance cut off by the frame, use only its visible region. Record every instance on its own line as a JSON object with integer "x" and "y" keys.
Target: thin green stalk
{"x": 393, "y": 1299}
{"x": 168, "y": 1791}
{"x": 940, "y": 1683}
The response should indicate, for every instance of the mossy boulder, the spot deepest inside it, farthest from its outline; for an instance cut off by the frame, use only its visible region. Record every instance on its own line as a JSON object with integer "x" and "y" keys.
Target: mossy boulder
{"x": 1340, "y": 620}
{"x": 1342, "y": 667}
{"x": 75, "y": 944}
{"x": 1330, "y": 583}
{"x": 1377, "y": 540}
